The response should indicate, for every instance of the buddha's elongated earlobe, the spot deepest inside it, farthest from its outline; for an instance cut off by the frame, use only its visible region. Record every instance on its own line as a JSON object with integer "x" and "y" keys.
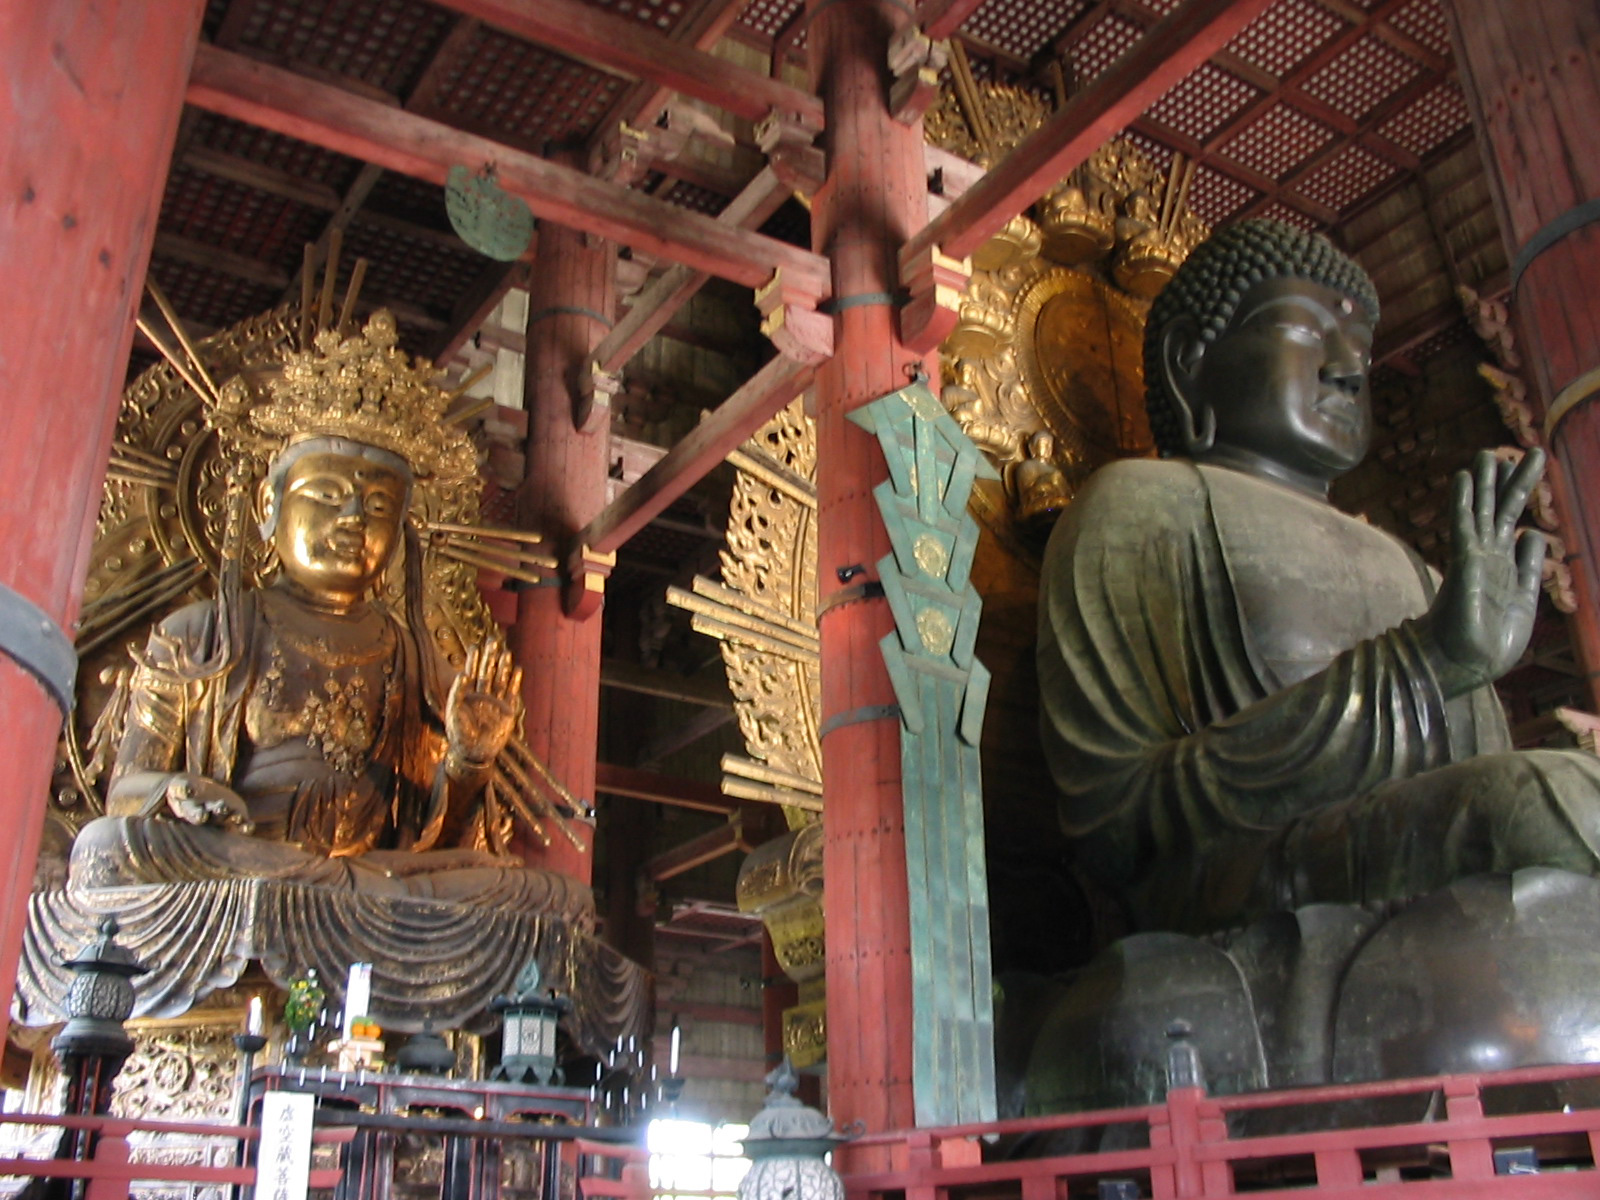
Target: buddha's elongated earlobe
{"x": 1182, "y": 349}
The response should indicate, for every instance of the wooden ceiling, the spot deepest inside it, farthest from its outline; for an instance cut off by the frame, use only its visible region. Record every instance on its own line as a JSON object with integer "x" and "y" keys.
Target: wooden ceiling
{"x": 1315, "y": 113}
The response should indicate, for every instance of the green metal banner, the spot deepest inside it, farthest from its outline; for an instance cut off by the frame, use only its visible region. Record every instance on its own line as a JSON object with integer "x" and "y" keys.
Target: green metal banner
{"x": 942, "y": 689}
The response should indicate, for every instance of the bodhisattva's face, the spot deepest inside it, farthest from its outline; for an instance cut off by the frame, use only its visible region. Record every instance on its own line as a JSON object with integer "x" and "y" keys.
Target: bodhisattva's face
{"x": 338, "y": 524}
{"x": 1287, "y": 382}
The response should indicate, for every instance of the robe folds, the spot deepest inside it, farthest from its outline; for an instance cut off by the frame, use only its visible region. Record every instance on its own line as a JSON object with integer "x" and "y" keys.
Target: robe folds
{"x": 1239, "y": 717}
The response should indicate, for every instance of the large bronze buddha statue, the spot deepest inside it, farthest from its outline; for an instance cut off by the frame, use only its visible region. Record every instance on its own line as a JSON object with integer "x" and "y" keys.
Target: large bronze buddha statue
{"x": 1255, "y": 705}
{"x": 301, "y": 780}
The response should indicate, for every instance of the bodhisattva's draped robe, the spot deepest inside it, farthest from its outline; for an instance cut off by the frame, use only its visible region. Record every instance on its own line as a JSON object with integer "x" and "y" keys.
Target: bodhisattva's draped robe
{"x": 1239, "y": 717}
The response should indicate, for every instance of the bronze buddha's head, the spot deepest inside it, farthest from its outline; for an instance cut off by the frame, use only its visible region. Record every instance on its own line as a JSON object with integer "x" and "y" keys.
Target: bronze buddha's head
{"x": 334, "y": 511}
{"x": 1256, "y": 356}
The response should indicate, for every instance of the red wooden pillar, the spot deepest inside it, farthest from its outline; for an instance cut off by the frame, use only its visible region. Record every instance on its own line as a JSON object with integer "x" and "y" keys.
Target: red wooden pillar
{"x": 570, "y": 297}
{"x": 875, "y": 197}
{"x": 88, "y": 116}
{"x": 1531, "y": 73}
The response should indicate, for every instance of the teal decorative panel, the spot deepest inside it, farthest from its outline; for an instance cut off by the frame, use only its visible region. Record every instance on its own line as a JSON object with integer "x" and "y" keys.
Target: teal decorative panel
{"x": 941, "y": 688}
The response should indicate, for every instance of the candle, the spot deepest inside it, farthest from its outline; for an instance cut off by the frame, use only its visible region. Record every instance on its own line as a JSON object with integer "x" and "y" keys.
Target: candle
{"x": 253, "y": 1023}
{"x": 672, "y": 1058}
{"x": 357, "y": 995}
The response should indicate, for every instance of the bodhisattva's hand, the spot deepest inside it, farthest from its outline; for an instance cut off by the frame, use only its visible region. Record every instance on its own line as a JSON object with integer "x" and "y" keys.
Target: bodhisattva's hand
{"x": 202, "y": 801}
{"x": 1480, "y": 621}
{"x": 481, "y": 714}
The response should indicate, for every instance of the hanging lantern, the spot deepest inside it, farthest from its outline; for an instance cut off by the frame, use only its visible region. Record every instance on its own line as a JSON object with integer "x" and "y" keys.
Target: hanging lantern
{"x": 528, "y": 1039}
{"x": 787, "y": 1145}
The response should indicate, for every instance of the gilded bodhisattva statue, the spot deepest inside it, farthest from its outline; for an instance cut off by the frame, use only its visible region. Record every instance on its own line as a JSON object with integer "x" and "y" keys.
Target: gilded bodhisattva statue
{"x": 1260, "y": 711}
{"x": 303, "y": 779}
{"x": 302, "y": 730}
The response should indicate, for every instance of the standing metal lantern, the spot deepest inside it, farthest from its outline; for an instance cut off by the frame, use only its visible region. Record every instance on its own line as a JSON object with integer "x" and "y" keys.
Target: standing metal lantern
{"x": 528, "y": 1040}
{"x": 787, "y": 1147}
{"x": 93, "y": 1045}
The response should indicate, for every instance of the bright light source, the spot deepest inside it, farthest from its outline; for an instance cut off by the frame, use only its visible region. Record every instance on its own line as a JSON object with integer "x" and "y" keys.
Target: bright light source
{"x": 691, "y": 1160}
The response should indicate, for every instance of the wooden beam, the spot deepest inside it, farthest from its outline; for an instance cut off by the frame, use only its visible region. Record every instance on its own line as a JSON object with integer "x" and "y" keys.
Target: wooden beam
{"x": 941, "y": 18}
{"x": 1252, "y": 179}
{"x": 696, "y": 852}
{"x": 711, "y": 441}
{"x": 624, "y": 46}
{"x": 473, "y": 309}
{"x": 199, "y": 254}
{"x": 389, "y": 137}
{"x": 668, "y": 685}
{"x": 701, "y": 725}
{"x": 699, "y": 1010}
{"x": 642, "y": 103}
{"x": 634, "y": 784}
{"x": 658, "y": 303}
{"x": 263, "y": 178}
{"x": 1160, "y": 59}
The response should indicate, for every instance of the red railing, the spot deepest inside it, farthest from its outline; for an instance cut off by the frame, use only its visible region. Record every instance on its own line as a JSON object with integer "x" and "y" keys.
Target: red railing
{"x": 610, "y": 1171}
{"x": 1191, "y": 1151}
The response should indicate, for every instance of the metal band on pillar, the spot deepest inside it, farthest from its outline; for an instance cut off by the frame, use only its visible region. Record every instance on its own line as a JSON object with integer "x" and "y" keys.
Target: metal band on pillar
{"x": 36, "y": 643}
{"x": 569, "y": 310}
{"x": 1584, "y": 387}
{"x": 1570, "y": 221}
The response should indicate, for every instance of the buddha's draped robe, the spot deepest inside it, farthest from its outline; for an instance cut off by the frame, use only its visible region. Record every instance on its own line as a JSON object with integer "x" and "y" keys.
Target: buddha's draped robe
{"x": 1239, "y": 717}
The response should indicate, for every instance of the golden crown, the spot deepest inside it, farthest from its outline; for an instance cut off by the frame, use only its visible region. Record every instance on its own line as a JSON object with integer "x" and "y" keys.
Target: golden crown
{"x": 362, "y": 387}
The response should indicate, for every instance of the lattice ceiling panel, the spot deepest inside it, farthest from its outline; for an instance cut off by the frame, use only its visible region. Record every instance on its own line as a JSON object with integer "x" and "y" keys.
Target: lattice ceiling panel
{"x": 212, "y": 21}
{"x": 1284, "y": 36}
{"x": 768, "y": 17}
{"x": 1160, "y": 155}
{"x": 1277, "y": 211}
{"x": 410, "y": 269}
{"x": 414, "y": 200}
{"x": 1216, "y": 197}
{"x": 237, "y": 219}
{"x": 273, "y": 150}
{"x": 1204, "y": 102}
{"x": 509, "y": 85}
{"x": 1453, "y": 335}
{"x": 661, "y": 15}
{"x": 1362, "y": 77}
{"x": 1429, "y": 121}
{"x": 1023, "y": 27}
{"x": 1424, "y": 22}
{"x": 691, "y": 196}
{"x": 1351, "y": 175}
{"x": 1278, "y": 141}
{"x": 209, "y": 299}
{"x": 384, "y": 43}
{"x": 1107, "y": 40}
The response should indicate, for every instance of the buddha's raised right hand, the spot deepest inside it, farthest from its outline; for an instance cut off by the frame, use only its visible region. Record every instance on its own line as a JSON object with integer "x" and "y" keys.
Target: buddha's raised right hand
{"x": 202, "y": 801}
{"x": 1481, "y": 620}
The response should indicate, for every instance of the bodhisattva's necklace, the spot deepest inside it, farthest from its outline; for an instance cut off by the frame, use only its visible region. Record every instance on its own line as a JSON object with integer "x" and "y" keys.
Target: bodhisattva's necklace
{"x": 332, "y": 639}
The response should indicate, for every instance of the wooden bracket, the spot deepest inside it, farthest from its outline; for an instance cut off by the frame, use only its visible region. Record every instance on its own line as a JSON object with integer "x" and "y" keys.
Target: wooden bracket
{"x": 934, "y": 283}
{"x": 915, "y": 63}
{"x": 586, "y": 575}
{"x": 591, "y": 398}
{"x": 622, "y": 156}
{"x": 791, "y": 321}
{"x": 787, "y": 143}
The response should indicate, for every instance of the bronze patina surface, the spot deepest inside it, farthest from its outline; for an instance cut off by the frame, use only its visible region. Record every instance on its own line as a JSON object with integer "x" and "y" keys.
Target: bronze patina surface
{"x": 1256, "y": 706}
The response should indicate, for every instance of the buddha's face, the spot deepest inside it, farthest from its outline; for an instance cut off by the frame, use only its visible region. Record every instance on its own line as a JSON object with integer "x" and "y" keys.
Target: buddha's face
{"x": 338, "y": 523}
{"x": 1287, "y": 381}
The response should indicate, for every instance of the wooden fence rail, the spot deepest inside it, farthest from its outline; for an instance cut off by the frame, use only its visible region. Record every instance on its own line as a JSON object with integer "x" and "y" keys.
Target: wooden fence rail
{"x": 1204, "y": 1146}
